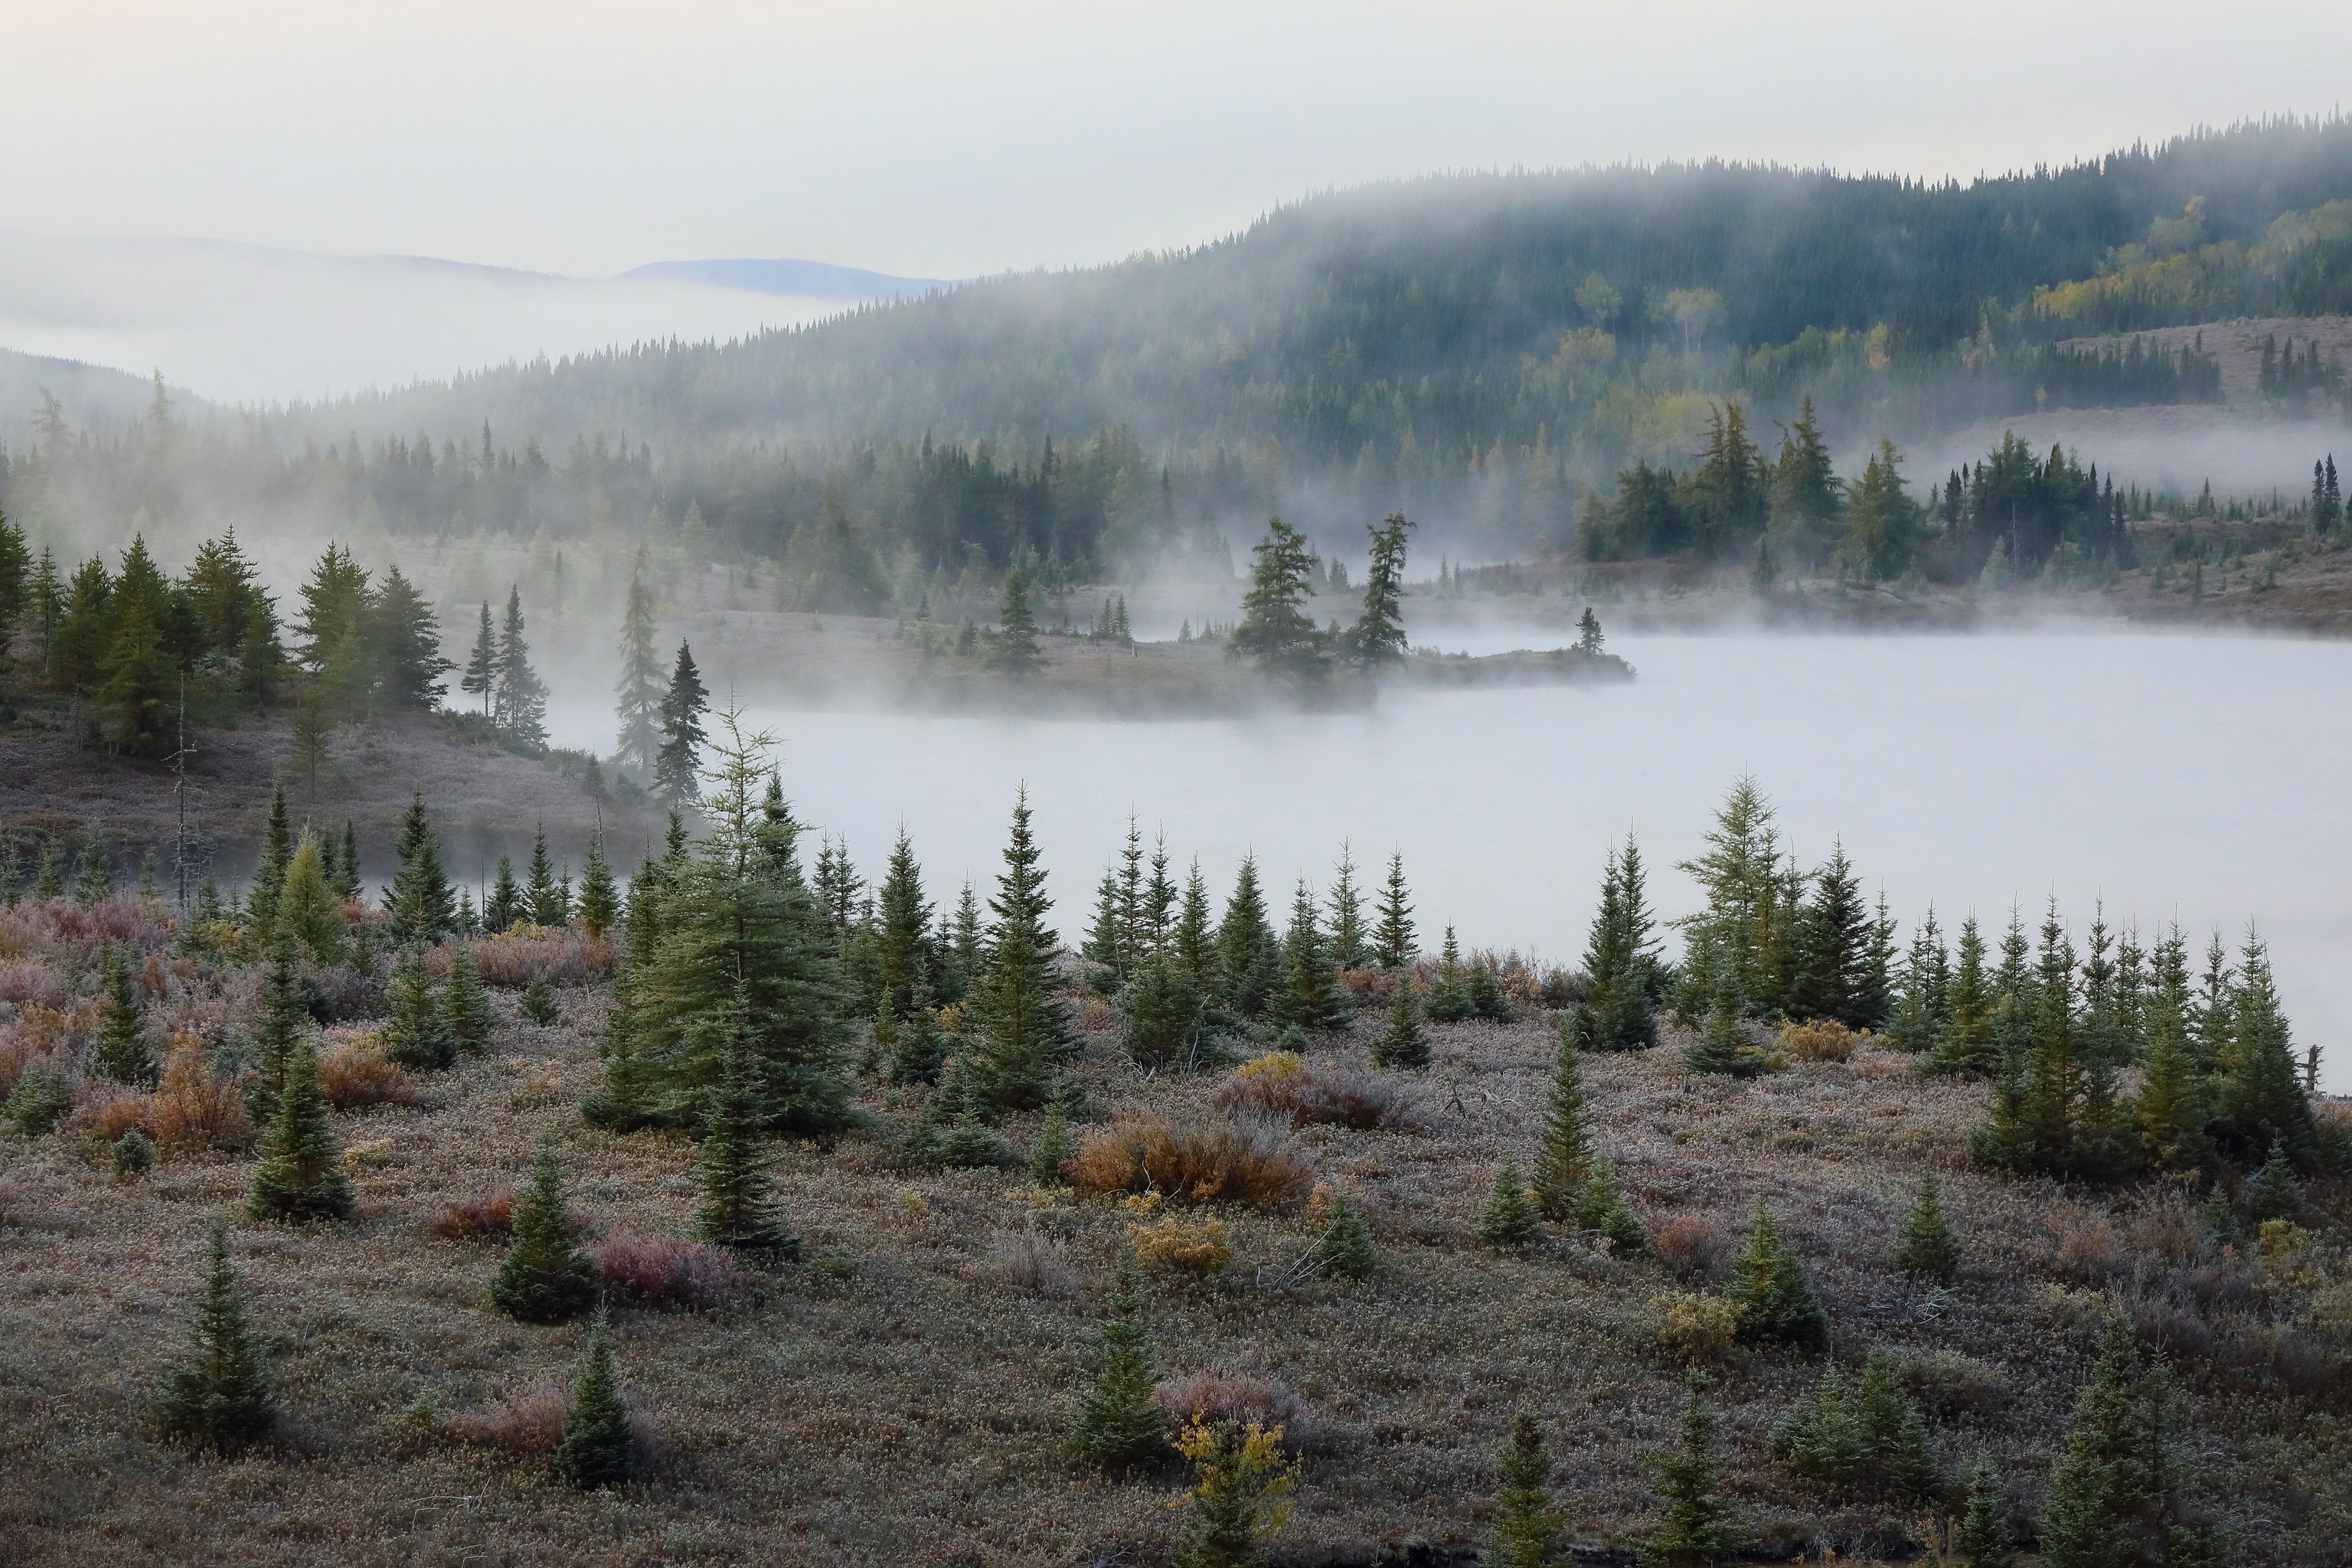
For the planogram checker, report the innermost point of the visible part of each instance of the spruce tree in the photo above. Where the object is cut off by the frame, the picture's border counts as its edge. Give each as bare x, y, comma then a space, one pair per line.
600, 900
1448, 998
1193, 946
1015, 649
1821, 1439
677, 766
1833, 936
1276, 633
307, 907
1694, 1531
917, 1050
541, 898
2274, 1193
537, 1003
545, 1277
1616, 1012
1403, 1043
2172, 1108
284, 1017
301, 1174
1965, 1045
1509, 1219
1309, 998
1248, 957
1895, 1439
1721, 1047
50, 873
417, 1036
902, 936
1984, 1540
1930, 1248
122, 1051
481, 672
1165, 1015
408, 636
641, 686
1116, 1426
422, 904
1771, 1288
1392, 932
1022, 1031
519, 697
1527, 1524
1054, 1147
2102, 1482
505, 905
1739, 874
218, 1397
93, 883
1565, 1160
595, 1447
2263, 1102
1350, 948
1344, 1250
465, 1003
1922, 1015
738, 1207
1238, 1498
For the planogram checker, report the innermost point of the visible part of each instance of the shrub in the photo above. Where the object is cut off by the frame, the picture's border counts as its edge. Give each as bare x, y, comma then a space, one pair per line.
1281, 1084
1229, 1159
1690, 1245
115, 1115
512, 959
2083, 1244
131, 1154
195, 1107
1212, 1396
662, 1271
1822, 1040
530, 1426
1187, 1246
489, 1217
1949, 1383
1697, 1329
1029, 1260
356, 1075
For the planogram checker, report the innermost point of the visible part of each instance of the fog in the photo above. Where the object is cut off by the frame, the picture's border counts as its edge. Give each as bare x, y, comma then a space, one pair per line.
2177, 449
2174, 778
242, 323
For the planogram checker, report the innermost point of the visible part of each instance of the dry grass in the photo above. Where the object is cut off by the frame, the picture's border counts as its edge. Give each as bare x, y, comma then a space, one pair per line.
1334, 1094
1197, 1159
900, 1398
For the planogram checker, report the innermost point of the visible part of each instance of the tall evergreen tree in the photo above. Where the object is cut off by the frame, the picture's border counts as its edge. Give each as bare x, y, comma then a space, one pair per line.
2054, 1109
301, 1174
308, 908
596, 1451
1392, 935
1984, 1540
519, 699
1309, 998
219, 1396
1738, 875
548, 903
1193, 946
1923, 1014
336, 598
677, 767
480, 677
1694, 1531
122, 1051
505, 904
465, 1003
93, 882
1967, 1046
1620, 965
1015, 649
1350, 948
641, 685
1248, 957
1276, 633
417, 1036
600, 900
545, 1277
2261, 1098
276, 1032
1833, 937
1527, 1524
738, 1207
1567, 1166
1509, 1219
1378, 639
902, 934
1116, 1426
1022, 1030
2107, 1480
1402, 1041
422, 904
409, 645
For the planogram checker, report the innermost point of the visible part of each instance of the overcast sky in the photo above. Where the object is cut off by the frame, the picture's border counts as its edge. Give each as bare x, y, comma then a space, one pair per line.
932, 138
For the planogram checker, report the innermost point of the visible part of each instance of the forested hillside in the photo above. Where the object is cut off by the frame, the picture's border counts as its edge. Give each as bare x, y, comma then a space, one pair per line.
1484, 351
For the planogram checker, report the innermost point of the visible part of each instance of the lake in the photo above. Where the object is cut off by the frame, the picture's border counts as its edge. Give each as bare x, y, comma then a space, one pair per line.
2202, 779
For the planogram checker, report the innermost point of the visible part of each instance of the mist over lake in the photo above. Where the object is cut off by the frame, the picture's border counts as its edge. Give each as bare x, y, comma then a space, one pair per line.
2191, 778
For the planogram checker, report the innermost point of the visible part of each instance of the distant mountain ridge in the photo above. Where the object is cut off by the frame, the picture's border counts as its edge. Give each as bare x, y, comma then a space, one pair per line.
797, 280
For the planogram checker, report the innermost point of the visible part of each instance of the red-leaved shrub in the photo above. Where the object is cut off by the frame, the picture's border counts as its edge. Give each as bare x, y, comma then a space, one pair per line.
662, 1271
1690, 1245
196, 1107
354, 1075
487, 1216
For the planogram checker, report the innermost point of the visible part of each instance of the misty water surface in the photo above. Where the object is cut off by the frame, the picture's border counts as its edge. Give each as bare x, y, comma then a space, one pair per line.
2202, 779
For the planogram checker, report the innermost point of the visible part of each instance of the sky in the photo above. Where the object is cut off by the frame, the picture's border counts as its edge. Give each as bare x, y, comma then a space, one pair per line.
945, 139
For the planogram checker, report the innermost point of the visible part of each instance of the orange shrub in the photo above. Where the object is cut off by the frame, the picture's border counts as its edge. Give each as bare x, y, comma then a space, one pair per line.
529, 1426
1241, 1160
118, 1113
1822, 1040
513, 959
1283, 1084
354, 1075
1688, 1244
194, 1106
489, 1217
1200, 1250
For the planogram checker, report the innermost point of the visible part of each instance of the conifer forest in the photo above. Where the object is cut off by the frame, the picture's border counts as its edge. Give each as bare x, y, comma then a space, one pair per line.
1687, 971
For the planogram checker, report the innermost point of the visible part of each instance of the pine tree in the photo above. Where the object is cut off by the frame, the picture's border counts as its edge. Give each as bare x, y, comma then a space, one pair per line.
1403, 1043
465, 1003
2263, 1102
1448, 1000
1930, 1248
1165, 1015
93, 883
2173, 1106
1693, 1533
1509, 1219
1117, 1427
537, 1003
641, 686
301, 1174
1015, 649
418, 1034
421, 903
1834, 938
1722, 1046
677, 766
481, 673
1966, 1047
280, 1026
122, 1051
1248, 957
1345, 1250
408, 636
2274, 1193
1566, 1162
600, 900
544, 1277
902, 937
595, 1447
548, 907
1350, 950
218, 1397
1726, 943
1984, 1540
1276, 633
2102, 1484
519, 701
1392, 936
505, 906
1527, 1524
1022, 1030
738, 1207
1895, 1439
1771, 1288
1193, 946
1615, 1013
309, 910
1821, 1439
1309, 998
1054, 1147
50, 873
